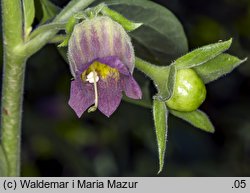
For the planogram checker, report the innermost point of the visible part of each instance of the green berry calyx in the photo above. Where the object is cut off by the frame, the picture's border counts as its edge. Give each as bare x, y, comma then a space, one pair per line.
189, 91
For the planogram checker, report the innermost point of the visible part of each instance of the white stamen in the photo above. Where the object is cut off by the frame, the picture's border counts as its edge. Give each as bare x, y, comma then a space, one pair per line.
92, 77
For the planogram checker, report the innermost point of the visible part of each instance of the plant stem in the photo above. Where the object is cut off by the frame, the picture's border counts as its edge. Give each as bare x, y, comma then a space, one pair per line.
152, 71
12, 23
13, 76
159, 74
3, 163
16, 52
12, 93
38, 42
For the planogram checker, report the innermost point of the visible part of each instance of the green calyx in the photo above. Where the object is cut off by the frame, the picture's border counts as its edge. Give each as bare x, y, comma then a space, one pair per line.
90, 13
181, 84
189, 91
127, 24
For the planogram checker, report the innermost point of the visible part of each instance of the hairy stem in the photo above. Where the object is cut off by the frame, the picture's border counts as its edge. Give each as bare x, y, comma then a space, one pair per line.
38, 42
12, 93
12, 89
159, 74
16, 52
152, 71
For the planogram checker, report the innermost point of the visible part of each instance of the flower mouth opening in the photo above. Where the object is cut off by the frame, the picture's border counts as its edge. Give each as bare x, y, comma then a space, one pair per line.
100, 86
92, 75
103, 71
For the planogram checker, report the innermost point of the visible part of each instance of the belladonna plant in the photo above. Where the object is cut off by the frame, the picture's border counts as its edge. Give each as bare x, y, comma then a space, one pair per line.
99, 50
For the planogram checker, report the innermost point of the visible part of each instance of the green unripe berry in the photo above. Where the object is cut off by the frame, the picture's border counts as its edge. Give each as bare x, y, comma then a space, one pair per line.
189, 91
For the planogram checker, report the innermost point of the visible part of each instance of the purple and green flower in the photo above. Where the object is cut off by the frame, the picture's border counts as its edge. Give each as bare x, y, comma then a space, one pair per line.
101, 59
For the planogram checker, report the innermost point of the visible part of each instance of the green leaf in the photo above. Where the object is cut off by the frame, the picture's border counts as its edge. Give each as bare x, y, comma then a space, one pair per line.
165, 82
201, 55
3, 163
65, 42
29, 15
49, 10
69, 29
70, 24
160, 114
161, 81
161, 38
127, 24
196, 118
217, 67
43, 28
171, 81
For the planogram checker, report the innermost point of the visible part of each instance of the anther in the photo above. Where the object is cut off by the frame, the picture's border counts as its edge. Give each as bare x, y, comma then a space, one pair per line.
91, 76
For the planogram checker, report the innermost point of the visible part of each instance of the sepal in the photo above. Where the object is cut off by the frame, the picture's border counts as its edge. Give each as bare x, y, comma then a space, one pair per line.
160, 115
196, 118
126, 24
202, 55
217, 67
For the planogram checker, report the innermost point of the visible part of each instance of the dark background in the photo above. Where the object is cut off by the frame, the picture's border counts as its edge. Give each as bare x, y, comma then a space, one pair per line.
56, 143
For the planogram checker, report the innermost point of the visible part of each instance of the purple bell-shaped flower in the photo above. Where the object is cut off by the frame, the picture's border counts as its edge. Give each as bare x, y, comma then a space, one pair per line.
101, 58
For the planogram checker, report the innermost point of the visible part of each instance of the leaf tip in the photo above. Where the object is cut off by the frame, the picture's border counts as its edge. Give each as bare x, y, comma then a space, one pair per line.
227, 43
64, 43
212, 130
244, 60
160, 169
230, 41
137, 25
